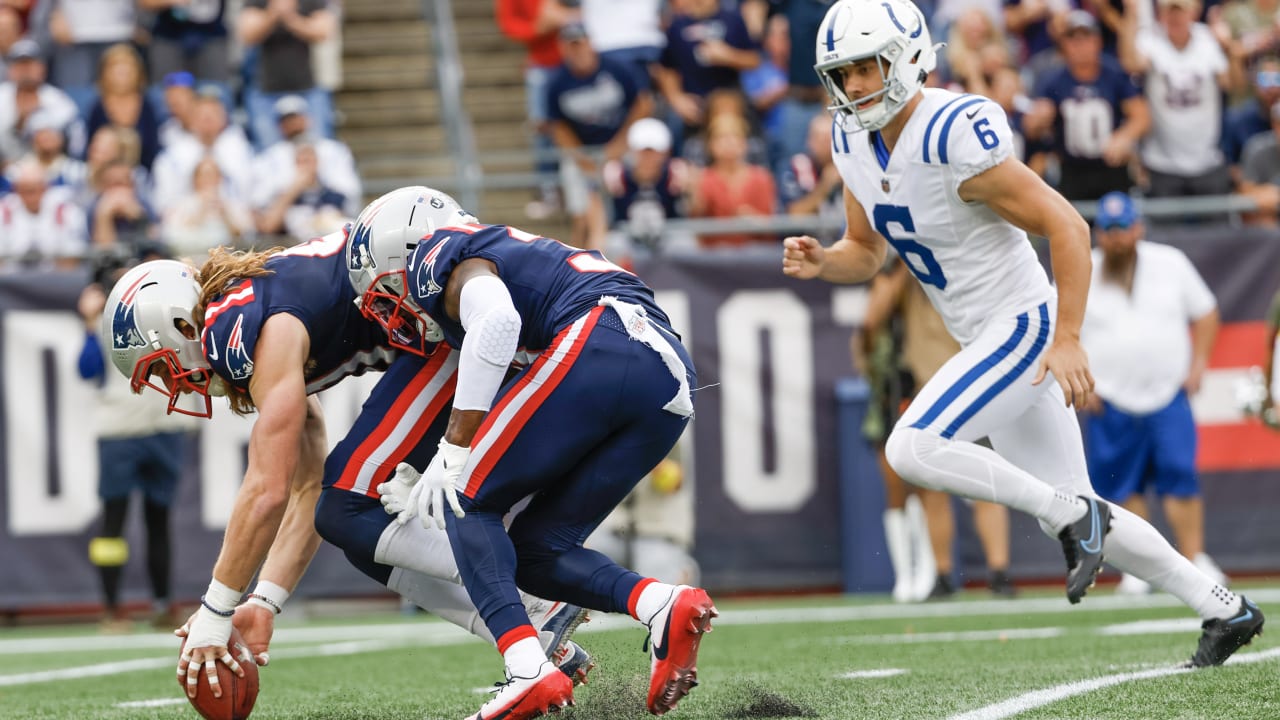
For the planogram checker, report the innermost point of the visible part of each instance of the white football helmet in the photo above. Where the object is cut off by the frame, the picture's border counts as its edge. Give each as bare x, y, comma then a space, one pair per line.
151, 336
895, 33
378, 247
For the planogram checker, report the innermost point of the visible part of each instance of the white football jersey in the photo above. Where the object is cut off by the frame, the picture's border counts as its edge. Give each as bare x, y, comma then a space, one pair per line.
973, 264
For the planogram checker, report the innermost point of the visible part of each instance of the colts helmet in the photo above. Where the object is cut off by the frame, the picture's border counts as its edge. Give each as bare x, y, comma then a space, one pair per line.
148, 327
895, 33
378, 248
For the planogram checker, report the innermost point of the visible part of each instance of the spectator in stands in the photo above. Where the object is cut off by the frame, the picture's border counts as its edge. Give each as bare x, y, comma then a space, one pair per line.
1007, 92
336, 169
810, 184
766, 86
1260, 170
140, 447
188, 37
591, 102
647, 186
1139, 431
628, 33
207, 218
119, 217
805, 96
210, 134
1028, 22
283, 32
1187, 71
82, 30
10, 33
48, 148
1251, 25
730, 187
536, 24
122, 99
976, 49
725, 101
179, 102
109, 144
26, 92
1093, 112
707, 48
40, 227
307, 207
1253, 116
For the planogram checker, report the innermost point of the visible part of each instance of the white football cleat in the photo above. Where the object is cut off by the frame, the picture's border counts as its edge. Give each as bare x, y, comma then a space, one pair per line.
519, 698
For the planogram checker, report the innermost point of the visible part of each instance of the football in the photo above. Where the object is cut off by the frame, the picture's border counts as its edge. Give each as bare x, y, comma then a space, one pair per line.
238, 693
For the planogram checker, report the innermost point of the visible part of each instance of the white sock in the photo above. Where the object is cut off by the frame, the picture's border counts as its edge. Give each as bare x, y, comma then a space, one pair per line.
524, 658
441, 598
652, 599
897, 537
973, 471
1135, 547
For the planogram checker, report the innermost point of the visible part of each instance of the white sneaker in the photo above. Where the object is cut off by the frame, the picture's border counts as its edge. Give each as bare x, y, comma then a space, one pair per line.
1132, 585
1206, 565
520, 698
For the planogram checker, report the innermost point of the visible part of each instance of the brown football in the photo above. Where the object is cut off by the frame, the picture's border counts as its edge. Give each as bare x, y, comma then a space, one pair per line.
238, 693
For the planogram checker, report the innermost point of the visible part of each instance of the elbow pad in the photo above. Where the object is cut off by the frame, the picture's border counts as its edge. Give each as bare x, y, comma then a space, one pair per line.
493, 333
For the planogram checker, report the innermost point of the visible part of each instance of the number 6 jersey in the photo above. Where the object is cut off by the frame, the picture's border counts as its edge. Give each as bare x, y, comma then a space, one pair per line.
973, 264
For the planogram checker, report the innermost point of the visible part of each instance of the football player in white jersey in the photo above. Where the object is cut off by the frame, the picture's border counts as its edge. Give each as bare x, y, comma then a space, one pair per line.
932, 173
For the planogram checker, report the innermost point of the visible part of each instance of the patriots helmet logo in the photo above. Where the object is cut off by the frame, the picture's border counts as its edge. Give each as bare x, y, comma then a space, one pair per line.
424, 274
358, 246
124, 327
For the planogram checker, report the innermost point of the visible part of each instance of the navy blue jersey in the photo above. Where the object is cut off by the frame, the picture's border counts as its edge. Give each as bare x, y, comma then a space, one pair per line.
551, 284
686, 35
310, 282
595, 107
1088, 112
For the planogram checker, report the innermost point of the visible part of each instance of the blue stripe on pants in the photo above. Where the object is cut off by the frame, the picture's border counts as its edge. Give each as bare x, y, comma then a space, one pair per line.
1041, 338
976, 372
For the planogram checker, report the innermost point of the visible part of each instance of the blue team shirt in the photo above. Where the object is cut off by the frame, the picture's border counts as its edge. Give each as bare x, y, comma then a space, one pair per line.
685, 35
1087, 112
310, 282
596, 106
551, 284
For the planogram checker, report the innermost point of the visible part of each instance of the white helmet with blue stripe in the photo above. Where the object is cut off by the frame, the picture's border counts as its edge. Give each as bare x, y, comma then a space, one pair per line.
892, 31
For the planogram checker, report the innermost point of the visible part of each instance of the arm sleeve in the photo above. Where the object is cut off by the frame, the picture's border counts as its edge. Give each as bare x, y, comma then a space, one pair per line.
493, 333
91, 364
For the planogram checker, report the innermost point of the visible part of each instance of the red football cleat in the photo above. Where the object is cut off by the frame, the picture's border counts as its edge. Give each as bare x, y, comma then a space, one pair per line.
529, 697
675, 632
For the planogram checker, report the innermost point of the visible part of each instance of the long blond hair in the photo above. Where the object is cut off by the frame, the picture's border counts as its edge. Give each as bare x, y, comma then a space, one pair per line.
222, 270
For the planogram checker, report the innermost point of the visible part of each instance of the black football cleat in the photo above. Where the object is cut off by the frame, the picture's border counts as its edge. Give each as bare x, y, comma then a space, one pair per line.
1082, 546
1221, 638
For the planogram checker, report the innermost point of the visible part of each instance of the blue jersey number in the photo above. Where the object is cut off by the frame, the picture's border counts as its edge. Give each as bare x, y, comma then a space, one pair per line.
919, 259
986, 135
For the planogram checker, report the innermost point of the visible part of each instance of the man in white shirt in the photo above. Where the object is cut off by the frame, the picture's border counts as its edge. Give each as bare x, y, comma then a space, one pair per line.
1139, 431
1187, 68
211, 134
40, 226
276, 174
27, 93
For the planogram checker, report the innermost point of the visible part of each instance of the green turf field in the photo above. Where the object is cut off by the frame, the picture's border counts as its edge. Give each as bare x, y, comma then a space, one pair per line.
975, 658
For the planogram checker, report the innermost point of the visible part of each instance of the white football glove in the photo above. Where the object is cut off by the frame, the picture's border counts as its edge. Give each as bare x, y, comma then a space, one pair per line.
438, 484
397, 494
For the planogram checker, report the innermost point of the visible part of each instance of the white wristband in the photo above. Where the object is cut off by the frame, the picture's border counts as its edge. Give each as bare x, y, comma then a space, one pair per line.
269, 595
220, 599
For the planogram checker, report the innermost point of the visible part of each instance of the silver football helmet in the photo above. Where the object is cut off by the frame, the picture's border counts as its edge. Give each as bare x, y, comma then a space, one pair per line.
378, 248
895, 33
151, 336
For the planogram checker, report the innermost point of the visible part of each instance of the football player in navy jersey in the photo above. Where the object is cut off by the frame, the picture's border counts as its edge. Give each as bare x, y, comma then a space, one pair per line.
605, 398
268, 330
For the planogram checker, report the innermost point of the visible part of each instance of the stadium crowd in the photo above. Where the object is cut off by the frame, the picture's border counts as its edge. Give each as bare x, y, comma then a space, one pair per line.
134, 128
1153, 97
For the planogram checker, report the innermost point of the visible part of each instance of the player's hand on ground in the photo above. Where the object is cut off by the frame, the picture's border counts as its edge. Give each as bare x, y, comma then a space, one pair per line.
1069, 364
256, 624
440, 482
397, 494
802, 257
206, 646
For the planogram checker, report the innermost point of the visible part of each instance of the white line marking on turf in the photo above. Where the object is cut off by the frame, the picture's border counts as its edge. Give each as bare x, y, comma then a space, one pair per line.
958, 636
1039, 698
1152, 627
881, 673
158, 702
126, 666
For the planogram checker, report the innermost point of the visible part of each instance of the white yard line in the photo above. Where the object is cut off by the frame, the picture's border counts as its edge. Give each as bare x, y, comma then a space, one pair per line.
881, 673
1039, 698
946, 637
157, 702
